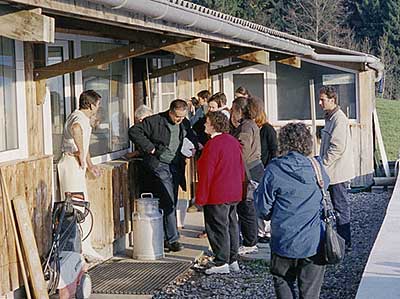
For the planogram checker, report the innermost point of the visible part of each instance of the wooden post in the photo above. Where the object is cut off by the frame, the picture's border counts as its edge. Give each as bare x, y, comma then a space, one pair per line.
30, 248
381, 144
313, 116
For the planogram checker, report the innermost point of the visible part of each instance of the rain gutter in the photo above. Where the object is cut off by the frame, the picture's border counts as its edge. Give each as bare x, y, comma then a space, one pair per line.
200, 18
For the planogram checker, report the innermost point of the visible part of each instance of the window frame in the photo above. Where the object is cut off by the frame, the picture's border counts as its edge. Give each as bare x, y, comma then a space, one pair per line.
22, 151
319, 122
78, 84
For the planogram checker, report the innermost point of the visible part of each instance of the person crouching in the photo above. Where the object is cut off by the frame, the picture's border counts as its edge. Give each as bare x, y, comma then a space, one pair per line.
221, 175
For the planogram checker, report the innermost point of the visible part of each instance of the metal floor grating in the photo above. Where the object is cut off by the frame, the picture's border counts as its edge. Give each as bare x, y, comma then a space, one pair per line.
134, 278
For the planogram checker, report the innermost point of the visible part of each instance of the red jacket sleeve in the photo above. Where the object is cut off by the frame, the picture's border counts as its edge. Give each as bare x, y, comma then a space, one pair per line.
206, 169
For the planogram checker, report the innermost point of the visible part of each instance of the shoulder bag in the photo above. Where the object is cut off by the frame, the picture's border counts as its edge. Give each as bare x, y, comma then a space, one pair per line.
334, 244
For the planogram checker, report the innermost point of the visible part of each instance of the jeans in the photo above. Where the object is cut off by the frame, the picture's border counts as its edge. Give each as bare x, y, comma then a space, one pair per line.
309, 273
341, 206
222, 232
166, 188
248, 222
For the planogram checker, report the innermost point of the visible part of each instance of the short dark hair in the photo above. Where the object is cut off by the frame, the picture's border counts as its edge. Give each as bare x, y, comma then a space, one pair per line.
219, 121
219, 98
178, 104
243, 91
87, 98
295, 137
330, 92
248, 106
204, 94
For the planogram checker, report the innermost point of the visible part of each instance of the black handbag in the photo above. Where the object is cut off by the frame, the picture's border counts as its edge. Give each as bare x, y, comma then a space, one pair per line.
334, 244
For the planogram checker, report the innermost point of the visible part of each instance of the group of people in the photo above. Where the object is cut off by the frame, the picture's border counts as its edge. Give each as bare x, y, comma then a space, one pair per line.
253, 186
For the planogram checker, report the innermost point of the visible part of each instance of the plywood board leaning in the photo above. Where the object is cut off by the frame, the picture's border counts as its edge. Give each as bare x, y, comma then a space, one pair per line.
30, 248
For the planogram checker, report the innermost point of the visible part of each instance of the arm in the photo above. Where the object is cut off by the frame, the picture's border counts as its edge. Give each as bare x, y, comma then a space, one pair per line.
337, 143
139, 134
246, 140
77, 135
95, 170
264, 196
206, 169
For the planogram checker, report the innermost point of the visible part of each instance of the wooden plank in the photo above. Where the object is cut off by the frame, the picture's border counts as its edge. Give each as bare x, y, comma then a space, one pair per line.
201, 79
9, 211
218, 55
313, 116
30, 248
260, 57
291, 61
27, 25
230, 68
33, 111
5, 230
40, 92
381, 145
104, 57
194, 48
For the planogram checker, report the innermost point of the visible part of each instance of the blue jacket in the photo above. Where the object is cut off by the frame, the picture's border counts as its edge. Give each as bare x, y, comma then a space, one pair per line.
289, 195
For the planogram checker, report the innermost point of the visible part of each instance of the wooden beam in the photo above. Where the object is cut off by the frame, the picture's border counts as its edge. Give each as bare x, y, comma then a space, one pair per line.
292, 61
27, 25
40, 92
104, 57
216, 56
231, 67
194, 48
260, 57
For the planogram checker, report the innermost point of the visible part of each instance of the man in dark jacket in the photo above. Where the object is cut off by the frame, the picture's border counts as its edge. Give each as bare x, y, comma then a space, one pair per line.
160, 138
290, 197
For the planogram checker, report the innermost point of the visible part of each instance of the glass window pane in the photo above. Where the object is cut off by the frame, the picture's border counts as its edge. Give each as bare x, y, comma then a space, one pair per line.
294, 92
57, 100
8, 99
254, 83
110, 81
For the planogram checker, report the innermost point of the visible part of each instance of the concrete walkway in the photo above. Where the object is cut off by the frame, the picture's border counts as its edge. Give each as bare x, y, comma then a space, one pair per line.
381, 277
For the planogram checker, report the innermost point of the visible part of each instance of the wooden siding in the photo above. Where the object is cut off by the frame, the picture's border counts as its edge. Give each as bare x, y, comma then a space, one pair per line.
31, 179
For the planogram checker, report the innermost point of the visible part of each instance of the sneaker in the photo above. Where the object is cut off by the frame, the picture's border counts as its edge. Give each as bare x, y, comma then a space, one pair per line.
224, 269
234, 267
247, 249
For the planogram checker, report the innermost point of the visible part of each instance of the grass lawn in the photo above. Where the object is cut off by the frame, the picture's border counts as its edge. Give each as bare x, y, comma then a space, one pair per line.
389, 120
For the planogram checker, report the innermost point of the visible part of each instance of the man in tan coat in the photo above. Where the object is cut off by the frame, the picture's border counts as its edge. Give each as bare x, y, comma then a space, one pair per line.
337, 156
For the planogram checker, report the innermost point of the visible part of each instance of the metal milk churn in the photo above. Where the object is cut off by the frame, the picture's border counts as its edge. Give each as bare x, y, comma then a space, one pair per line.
148, 233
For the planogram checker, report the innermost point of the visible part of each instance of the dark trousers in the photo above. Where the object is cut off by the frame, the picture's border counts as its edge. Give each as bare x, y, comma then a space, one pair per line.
166, 188
308, 272
340, 202
247, 222
222, 232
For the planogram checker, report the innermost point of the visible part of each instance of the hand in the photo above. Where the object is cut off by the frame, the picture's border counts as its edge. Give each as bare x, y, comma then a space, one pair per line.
95, 170
193, 151
200, 146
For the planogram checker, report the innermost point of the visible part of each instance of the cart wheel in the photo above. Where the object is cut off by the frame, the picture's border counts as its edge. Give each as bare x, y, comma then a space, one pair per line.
84, 289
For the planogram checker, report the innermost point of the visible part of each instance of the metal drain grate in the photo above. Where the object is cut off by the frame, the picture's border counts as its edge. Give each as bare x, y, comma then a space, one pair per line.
130, 277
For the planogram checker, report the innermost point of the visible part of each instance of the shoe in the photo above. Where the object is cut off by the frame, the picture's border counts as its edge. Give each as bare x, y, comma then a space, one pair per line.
247, 249
192, 209
234, 267
174, 246
202, 235
264, 240
224, 269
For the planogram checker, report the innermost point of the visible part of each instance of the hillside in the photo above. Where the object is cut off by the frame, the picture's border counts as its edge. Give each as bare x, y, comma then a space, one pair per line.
389, 114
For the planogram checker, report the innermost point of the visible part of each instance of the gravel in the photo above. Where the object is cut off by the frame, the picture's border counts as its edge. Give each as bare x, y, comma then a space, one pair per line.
254, 281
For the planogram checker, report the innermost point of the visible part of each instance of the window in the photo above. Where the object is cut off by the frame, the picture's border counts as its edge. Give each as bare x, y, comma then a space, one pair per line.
294, 91
253, 82
163, 88
111, 82
12, 101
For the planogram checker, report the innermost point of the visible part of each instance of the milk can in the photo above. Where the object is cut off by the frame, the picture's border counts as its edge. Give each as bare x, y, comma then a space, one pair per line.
148, 233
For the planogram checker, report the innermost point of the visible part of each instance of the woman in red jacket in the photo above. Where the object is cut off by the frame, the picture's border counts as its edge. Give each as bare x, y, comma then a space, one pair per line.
221, 175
